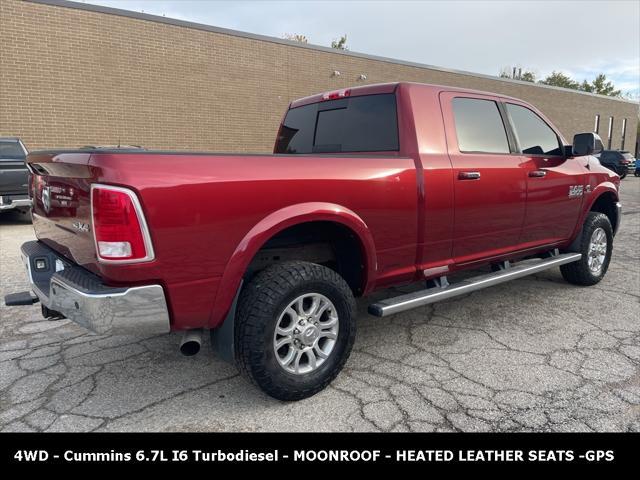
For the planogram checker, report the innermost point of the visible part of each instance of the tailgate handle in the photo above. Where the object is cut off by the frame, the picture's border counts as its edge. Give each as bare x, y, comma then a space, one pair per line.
468, 175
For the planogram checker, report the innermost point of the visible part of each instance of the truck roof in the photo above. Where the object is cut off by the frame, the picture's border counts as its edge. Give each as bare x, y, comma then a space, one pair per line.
379, 88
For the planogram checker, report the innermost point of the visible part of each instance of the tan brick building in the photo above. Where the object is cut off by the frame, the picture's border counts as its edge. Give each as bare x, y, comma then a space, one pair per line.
73, 74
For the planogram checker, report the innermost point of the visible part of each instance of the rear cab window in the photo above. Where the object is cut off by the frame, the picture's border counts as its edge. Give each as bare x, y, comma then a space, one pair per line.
366, 123
11, 150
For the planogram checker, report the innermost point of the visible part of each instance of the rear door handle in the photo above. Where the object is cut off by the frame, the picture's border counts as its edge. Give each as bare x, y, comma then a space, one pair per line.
538, 173
468, 175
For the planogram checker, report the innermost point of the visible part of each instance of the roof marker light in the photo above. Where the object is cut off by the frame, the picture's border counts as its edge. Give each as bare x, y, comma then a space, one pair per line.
336, 94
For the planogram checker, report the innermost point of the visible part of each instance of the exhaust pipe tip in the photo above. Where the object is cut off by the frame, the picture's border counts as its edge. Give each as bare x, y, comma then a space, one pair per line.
188, 349
191, 341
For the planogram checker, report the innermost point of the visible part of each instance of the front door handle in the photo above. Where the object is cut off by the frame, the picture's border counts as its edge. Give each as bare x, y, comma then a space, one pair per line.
538, 173
468, 175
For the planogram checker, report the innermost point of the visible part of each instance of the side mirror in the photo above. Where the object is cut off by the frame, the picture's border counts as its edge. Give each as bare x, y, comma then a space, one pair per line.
586, 144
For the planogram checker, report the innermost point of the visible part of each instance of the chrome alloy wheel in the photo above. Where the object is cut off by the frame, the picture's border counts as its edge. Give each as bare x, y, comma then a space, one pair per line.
597, 250
306, 333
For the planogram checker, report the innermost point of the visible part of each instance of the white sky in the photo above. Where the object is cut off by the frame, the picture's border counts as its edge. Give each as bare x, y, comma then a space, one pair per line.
580, 38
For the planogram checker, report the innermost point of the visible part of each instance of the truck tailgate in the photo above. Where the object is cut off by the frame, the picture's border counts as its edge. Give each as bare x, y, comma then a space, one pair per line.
60, 190
13, 177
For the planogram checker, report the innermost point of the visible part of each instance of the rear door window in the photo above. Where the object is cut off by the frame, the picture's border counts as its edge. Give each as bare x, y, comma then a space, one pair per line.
479, 126
366, 123
533, 133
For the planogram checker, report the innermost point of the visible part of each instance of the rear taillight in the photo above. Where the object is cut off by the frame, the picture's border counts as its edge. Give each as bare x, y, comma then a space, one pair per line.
119, 227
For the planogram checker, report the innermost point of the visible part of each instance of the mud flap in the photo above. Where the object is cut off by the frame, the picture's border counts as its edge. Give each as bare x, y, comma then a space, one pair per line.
223, 337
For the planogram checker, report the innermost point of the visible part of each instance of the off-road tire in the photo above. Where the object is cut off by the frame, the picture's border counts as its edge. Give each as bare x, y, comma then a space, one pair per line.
260, 304
578, 273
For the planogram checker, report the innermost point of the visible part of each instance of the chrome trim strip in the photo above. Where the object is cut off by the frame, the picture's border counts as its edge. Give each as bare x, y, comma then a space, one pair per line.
148, 245
24, 149
440, 270
432, 295
27, 265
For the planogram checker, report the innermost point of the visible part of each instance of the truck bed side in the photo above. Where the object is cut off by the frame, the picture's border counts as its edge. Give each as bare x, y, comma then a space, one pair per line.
201, 207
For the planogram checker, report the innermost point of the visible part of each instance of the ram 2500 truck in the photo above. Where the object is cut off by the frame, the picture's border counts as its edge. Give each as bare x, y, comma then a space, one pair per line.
367, 187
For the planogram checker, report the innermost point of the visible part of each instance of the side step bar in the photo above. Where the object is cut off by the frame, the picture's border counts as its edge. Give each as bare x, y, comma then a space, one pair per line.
445, 291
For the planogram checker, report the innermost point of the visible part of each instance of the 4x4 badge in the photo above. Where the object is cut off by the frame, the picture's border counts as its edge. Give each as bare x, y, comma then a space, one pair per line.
83, 227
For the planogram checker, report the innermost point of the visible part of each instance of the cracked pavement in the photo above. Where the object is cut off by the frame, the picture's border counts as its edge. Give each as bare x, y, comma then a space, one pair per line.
536, 354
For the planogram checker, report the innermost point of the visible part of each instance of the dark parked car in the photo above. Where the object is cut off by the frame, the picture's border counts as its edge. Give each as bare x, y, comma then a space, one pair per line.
620, 161
13, 175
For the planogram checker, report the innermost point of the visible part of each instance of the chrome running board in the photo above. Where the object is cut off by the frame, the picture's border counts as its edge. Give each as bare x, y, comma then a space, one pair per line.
444, 290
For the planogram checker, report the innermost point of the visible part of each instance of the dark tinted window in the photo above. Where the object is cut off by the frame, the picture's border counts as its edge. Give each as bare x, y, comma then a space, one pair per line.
479, 126
11, 150
535, 136
358, 124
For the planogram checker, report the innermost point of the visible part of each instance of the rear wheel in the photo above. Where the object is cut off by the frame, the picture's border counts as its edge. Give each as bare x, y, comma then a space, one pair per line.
295, 329
596, 247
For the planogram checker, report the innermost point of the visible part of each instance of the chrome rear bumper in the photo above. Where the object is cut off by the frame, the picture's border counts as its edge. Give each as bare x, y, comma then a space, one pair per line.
9, 203
81, 297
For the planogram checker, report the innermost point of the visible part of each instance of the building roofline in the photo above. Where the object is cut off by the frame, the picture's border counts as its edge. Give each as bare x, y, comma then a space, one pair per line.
265, 38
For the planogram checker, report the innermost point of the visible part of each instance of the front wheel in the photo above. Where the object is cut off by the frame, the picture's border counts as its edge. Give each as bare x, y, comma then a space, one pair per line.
295, 329
596, 247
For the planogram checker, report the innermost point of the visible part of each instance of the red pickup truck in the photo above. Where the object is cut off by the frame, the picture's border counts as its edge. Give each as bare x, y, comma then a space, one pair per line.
368, 187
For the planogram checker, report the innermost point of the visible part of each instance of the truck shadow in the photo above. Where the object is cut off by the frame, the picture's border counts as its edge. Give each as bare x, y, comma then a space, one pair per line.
12, 217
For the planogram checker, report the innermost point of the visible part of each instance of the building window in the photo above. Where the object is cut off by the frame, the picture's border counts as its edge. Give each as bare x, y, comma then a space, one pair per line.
596, 127
624, 131
610, 133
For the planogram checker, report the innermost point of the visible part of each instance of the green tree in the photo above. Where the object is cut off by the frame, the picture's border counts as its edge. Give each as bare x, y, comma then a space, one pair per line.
527, 77
601, 86
518, 74
559, 79
340, 44
296, 37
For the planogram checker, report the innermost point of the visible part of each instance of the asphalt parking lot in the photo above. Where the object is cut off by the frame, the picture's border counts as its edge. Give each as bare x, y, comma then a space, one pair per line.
535, 354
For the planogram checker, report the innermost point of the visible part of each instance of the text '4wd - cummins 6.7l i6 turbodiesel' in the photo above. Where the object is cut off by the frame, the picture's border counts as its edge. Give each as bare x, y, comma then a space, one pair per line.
368, 187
